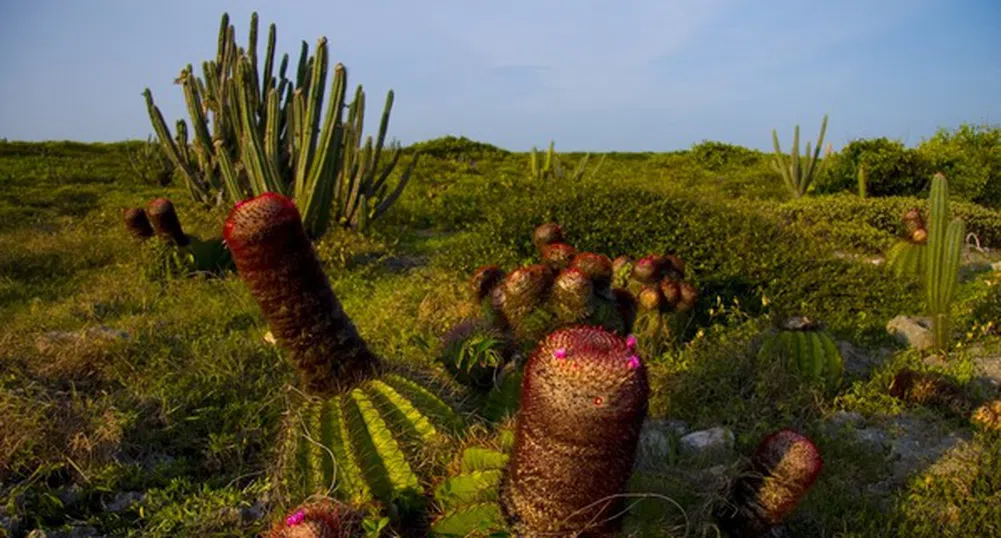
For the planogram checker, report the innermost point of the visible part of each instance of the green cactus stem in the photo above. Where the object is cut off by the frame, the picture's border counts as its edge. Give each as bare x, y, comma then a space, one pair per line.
945, 243
137, 223
798, 172
583, 400
781, 473
165, 223
320, 519
863, 184
276, 261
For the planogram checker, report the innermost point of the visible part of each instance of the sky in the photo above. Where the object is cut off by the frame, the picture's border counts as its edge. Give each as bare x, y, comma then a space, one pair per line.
636, 75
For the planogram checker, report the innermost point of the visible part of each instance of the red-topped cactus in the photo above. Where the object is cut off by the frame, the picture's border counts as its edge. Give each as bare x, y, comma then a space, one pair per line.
781, 472
547, 234
558, 255
572, 295
275, 259
597, 267
165, 222
583, 400
137, 223
323, 519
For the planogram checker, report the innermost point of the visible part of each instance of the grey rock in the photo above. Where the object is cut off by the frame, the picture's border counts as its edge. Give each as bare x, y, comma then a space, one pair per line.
706, 441
989, 368
842, 418
658, 437
123, 501
859, 362
872, 436
912, 331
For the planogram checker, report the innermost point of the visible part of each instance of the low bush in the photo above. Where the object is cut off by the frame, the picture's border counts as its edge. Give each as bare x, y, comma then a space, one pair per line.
891, 169
970, 156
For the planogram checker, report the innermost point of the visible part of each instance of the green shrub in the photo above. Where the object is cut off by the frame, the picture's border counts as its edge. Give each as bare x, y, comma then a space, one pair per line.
970, 157
716, 156
452, 147
890, 168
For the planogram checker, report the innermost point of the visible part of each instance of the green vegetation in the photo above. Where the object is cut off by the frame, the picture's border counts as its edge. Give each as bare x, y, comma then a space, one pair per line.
267, 135
798, 172
941, 268
181, 428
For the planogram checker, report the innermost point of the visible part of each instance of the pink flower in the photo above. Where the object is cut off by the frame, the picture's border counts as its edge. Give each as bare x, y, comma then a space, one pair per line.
296, 518
560, 353
634, 362
631, 342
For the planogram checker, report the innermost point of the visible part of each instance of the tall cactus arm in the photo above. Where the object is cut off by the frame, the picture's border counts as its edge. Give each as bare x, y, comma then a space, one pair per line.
816, 152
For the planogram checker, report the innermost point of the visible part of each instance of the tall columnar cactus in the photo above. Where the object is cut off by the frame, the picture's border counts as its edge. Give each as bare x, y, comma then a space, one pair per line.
782, 470
945, 243
583, 400
907, 257
552, 168
268, 135
797, 171
365, 445
275, 259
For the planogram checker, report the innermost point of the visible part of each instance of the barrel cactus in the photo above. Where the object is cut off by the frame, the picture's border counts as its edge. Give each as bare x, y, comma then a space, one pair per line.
275, 259
583, 400
137, 223
163, 216
779, 476
365, 445
805, 348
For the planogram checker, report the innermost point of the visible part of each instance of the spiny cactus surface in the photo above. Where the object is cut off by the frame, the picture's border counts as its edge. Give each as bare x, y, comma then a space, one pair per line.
781, 472
809, 350
583, 400
137, 223
321, 519
275, 259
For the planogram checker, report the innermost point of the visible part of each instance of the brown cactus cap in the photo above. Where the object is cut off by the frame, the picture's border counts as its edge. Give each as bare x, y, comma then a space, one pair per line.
485, 279
547, 234
647, 270
137, 223
650, 298
671, 291
674, 266
689, 296
596, 266
558, 255
165, 222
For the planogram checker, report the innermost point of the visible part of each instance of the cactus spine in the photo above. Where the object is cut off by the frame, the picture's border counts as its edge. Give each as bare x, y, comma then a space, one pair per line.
945, 241
267, 135
797, 171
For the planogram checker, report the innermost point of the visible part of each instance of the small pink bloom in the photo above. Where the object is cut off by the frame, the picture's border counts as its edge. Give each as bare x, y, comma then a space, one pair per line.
631, 342
560, 353
296, 518
634, 362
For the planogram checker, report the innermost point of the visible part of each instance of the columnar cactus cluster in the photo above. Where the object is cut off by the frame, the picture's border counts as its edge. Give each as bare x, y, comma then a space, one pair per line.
780, 474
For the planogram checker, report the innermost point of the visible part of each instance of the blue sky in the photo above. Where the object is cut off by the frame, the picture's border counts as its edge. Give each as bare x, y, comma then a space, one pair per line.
642, 75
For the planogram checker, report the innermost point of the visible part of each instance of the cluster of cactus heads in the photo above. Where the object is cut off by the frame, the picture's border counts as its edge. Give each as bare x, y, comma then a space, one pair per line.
267, 134
915, 227
805, 347
781, 472
583, 401
319, 519
663, 299
276, 260
936, 390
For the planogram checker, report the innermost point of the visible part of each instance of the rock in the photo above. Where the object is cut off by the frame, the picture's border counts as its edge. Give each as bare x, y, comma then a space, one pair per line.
842, 418
123, 501
657, 439
989, 368
857, 361
716, 439
871, 436
55, 341
912, 331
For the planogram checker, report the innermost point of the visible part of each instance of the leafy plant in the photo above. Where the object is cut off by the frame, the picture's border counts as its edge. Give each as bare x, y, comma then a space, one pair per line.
945, 243
266, 135
797, 171
150, 163
970, 156
889, 168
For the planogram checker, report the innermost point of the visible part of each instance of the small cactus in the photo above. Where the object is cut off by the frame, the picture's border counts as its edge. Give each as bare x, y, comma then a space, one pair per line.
547, 234
275, 259
583, 400
137, 223
473, 352
781, 472
806, 348
322, 519
165, 222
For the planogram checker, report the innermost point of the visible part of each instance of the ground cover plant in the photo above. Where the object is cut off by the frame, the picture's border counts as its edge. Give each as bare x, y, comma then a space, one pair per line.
665, 345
